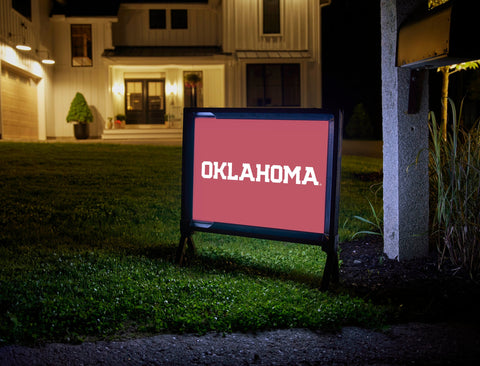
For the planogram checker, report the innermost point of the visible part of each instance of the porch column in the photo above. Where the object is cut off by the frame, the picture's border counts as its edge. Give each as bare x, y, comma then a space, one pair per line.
405, 184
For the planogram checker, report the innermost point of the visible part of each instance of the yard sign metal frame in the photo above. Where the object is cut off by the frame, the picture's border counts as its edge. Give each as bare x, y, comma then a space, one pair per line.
328, 239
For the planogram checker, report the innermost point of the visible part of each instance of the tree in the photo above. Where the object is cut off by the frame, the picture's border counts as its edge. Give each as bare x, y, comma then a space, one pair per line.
446, 72
79, 110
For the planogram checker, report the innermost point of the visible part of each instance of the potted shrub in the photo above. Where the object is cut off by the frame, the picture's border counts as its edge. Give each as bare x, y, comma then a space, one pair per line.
81, 115
120, 121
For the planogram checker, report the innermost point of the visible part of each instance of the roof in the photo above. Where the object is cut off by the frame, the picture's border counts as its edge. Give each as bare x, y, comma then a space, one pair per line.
166, 51
87, 8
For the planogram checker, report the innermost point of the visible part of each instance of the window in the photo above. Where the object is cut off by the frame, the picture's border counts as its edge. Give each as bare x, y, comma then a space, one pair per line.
273, 85
158, 19
271, 17
145, 101
81, 44
179, 18
193, 91
24, 7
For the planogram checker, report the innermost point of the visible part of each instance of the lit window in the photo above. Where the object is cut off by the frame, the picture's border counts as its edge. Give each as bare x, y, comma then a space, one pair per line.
81, 44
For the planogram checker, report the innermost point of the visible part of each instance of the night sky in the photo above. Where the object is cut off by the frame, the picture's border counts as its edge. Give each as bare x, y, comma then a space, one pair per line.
351, 51
351, 58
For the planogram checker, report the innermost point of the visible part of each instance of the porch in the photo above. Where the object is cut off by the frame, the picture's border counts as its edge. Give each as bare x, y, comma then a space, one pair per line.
144, 133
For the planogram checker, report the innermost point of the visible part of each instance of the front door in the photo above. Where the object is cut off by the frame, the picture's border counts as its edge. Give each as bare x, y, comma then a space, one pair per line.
145, 101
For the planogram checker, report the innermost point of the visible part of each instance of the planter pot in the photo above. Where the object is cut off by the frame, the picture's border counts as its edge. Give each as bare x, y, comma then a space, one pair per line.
81, 131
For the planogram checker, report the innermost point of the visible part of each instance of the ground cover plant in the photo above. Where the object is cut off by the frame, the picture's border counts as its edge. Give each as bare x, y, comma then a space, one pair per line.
88, 241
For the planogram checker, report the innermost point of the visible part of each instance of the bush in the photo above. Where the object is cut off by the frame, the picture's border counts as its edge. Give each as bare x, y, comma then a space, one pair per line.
79, 110
455, 181
359, 125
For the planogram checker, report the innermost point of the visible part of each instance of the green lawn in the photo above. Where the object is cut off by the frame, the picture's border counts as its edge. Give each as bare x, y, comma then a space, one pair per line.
87, 246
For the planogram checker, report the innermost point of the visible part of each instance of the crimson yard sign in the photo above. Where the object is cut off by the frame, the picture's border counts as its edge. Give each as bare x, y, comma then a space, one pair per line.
267, 173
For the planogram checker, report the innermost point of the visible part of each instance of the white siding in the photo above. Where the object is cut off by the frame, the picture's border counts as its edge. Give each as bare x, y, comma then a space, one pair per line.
92, 81
242, 26
133, 28
37, 34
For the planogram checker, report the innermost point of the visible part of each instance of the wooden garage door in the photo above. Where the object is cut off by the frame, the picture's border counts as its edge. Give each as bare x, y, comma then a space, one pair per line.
19, 105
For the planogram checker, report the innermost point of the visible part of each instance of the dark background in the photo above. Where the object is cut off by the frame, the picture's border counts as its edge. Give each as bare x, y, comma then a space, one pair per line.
351, 59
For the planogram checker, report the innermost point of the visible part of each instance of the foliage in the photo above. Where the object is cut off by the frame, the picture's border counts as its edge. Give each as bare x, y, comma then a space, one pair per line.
79, 264
192, 79
79, 110
359, 125
434, 3
455, 164
446, 72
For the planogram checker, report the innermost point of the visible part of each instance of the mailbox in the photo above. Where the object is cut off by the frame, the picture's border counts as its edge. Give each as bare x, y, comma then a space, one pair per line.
442, 36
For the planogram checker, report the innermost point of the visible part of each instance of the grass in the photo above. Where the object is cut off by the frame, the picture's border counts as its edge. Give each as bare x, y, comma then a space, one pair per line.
87, 247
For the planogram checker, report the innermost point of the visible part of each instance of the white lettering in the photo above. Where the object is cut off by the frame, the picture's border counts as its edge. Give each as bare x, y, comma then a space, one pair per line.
279, 169
295, 173
266, 173
205, 165
263, 173
310, 176
218, 170
247, 172
230, 176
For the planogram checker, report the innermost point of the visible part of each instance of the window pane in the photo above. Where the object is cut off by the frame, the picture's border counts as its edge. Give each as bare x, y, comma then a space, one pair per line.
158, 19
271, 16
156, 95
134, 95
291, 84
179, 19
273, 86
81, 44
255, 85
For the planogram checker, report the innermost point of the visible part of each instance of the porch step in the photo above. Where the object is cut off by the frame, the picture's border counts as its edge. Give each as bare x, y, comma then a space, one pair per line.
143, 134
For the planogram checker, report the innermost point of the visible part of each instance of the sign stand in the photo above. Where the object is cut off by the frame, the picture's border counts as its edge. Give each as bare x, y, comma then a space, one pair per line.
214, 128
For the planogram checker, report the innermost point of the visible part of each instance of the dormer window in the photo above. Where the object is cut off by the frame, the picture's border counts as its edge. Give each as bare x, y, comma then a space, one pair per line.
81, 40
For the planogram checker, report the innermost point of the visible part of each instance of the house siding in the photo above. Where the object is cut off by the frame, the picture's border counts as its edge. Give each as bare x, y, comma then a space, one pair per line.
91, 81
37, 33
133, 28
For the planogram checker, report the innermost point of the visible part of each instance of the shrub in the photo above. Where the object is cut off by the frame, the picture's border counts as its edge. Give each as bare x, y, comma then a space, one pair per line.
79, 110
359, 125
455, 181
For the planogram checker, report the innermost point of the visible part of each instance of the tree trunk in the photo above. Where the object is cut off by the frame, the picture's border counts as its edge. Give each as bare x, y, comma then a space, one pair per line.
444, 116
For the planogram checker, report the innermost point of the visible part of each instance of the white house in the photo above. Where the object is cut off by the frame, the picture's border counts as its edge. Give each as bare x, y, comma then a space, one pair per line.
147, 60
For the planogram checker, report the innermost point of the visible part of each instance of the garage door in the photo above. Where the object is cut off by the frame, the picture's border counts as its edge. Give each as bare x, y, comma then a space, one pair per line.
18, 105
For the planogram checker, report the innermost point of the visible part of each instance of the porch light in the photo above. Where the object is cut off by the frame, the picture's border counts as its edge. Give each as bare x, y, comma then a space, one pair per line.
172, 89
118, 88
46, 60
22, 45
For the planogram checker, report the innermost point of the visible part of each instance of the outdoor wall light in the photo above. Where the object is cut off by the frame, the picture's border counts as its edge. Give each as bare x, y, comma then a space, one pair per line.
172, 89
46, 60
22, 45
